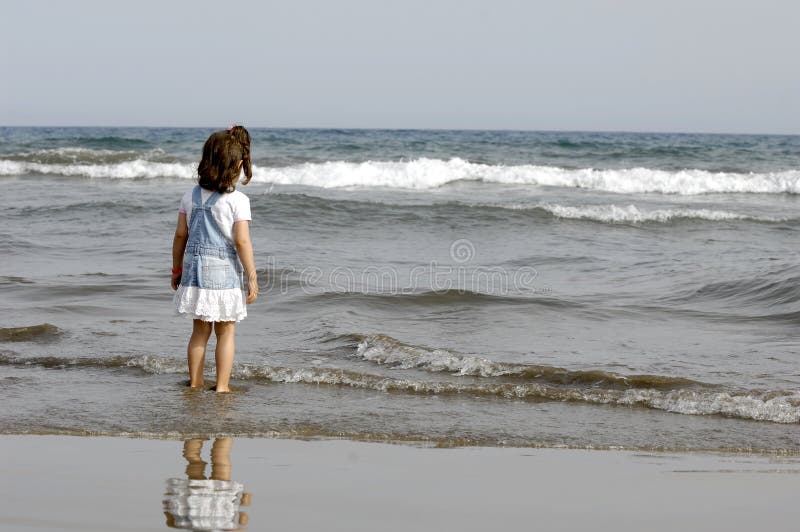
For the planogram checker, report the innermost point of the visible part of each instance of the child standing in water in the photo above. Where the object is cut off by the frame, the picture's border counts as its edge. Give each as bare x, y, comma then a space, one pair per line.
211, 251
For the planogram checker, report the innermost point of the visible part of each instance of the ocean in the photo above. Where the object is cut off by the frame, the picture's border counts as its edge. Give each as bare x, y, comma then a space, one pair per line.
541, 289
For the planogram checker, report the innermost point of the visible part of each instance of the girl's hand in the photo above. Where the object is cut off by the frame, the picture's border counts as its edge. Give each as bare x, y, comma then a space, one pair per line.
176, 281
252, 288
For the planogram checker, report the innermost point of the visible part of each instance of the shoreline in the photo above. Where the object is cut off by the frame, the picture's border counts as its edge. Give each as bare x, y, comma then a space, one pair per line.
410, 441
113, 483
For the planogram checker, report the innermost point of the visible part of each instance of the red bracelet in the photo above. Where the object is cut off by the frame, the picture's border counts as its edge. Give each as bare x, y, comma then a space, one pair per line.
176, 271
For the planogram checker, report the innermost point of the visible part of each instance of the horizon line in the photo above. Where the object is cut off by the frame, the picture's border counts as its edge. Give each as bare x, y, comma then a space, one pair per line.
443, 129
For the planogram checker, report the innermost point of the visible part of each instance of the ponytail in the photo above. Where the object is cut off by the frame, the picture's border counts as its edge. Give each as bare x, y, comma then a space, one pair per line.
242, 136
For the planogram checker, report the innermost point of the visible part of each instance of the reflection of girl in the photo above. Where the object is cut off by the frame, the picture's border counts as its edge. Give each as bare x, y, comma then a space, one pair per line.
197, 503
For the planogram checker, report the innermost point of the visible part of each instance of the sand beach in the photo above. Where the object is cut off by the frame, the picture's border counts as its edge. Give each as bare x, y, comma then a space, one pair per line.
119, 484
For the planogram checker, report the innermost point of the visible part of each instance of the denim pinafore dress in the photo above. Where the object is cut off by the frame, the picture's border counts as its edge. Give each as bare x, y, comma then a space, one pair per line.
212, 283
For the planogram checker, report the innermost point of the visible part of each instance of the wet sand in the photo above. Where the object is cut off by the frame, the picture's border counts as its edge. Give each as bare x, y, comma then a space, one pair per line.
94, 483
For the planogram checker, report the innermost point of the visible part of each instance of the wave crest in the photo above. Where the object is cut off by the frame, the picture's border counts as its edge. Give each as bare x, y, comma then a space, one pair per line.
773, 289
43, 332
426, 173
135, 169
775, 406
385, 350
632, 214
431, 173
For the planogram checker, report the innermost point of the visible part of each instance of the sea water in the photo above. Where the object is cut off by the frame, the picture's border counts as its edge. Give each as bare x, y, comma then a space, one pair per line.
454, 287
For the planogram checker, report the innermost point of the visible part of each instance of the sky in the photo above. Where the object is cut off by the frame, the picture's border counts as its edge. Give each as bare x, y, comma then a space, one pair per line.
725, 66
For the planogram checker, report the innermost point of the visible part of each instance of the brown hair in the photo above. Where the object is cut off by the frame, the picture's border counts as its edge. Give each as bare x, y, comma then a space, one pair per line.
222, 153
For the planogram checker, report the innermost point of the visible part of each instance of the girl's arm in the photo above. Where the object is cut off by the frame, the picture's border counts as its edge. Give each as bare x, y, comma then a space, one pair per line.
241, 238
178, 248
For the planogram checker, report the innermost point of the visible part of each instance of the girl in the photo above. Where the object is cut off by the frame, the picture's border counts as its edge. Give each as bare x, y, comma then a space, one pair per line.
211, 250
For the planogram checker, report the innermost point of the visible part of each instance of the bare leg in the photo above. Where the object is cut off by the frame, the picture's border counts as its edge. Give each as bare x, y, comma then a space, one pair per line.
196, 351
221, 459
196, 468
224, 353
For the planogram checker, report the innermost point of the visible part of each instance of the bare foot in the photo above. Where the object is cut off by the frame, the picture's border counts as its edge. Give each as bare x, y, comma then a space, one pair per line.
219, 389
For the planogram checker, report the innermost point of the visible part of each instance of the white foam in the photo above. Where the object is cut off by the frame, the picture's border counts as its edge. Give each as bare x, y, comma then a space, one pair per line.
385, 350
749, 405
431, 173
138, 168
774, 406
777, 407
157, 365
415, 174
632, 214
757, 406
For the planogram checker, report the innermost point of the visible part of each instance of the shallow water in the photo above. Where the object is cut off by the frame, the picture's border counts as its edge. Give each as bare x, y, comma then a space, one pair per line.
534, 289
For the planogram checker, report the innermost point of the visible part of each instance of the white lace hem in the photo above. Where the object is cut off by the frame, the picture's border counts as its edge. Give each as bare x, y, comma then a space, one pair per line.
210, 305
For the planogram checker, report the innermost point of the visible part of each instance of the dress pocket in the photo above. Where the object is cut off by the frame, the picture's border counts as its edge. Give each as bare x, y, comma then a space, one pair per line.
217, 274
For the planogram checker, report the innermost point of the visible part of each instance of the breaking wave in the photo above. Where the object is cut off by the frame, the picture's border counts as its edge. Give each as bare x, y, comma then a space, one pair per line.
431, 173
385, 350
632, 214
135, 169
475, 376
426, 173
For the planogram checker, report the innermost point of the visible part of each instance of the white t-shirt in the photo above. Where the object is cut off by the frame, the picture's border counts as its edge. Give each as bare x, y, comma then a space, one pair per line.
230, 208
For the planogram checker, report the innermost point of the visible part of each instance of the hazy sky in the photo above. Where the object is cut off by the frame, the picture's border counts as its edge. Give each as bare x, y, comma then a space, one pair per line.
639, 65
